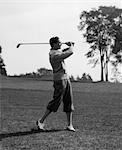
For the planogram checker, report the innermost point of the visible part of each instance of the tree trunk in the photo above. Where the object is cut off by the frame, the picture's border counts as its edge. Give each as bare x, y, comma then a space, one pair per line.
106, 66
101, 62
106, 72
102, 68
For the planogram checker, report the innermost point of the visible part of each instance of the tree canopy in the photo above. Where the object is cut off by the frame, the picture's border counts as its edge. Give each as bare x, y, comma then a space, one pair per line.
103, 31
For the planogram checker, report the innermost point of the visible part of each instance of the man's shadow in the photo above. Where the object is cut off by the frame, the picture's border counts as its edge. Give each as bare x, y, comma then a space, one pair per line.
23, 133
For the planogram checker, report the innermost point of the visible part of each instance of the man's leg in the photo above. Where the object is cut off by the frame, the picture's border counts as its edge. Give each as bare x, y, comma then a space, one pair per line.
53, 104
40, 122
68, 104
69, 121
69, 118
47, 112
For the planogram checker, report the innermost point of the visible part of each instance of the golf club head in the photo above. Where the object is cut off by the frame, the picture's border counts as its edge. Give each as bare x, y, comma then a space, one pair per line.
18, 45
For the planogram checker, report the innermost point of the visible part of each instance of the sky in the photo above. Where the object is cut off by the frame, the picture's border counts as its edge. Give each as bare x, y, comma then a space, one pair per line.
39, 20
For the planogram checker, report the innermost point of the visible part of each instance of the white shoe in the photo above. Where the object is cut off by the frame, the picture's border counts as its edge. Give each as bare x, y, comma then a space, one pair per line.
40, 125
70, 128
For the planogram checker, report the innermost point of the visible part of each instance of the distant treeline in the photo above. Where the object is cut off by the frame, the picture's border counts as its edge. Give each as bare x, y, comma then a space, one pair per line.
47, 74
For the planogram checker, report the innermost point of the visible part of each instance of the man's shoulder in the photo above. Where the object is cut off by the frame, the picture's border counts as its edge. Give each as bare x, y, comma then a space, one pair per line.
55, 52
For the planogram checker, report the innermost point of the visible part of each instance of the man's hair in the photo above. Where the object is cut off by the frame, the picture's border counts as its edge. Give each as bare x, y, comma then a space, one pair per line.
54, 40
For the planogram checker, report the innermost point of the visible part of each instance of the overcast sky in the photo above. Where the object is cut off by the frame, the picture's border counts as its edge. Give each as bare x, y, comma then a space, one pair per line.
38, 21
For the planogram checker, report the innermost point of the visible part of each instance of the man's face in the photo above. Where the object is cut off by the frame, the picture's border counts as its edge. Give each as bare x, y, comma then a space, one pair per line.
57, 45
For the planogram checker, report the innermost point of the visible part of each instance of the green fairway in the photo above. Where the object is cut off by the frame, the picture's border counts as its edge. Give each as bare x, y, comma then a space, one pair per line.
97, 116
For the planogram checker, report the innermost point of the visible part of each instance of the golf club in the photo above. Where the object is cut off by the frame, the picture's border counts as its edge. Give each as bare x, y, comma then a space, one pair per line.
32, 44
18, 45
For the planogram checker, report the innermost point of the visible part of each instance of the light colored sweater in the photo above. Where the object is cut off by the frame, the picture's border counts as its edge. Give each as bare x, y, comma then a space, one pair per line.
56, 58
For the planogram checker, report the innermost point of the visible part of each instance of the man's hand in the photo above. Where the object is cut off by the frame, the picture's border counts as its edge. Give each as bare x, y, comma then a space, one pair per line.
70, 43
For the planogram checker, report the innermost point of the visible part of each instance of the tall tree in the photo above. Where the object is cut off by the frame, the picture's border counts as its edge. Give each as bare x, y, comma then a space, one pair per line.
116, 63
100, 28
2, 65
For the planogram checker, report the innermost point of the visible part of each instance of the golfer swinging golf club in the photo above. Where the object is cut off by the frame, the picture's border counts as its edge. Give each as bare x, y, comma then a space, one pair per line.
62, 85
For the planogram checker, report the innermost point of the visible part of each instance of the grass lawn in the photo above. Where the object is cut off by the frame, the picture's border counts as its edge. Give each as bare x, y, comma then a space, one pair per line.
97, 117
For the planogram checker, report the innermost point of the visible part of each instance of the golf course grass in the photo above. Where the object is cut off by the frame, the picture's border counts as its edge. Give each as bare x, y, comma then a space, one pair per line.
97, 116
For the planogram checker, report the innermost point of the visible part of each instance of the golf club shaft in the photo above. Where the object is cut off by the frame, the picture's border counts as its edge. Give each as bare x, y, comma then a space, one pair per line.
32, 44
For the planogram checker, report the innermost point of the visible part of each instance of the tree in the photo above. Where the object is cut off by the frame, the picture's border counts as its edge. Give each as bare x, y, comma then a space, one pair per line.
116, 62
72, 78
102, 28
44, 71
85, 78
2, 65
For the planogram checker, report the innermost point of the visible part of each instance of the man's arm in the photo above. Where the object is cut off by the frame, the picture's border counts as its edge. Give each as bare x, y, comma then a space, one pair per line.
65, 53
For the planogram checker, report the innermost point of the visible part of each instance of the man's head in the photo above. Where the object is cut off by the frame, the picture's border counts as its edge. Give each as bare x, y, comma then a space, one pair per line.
55, 43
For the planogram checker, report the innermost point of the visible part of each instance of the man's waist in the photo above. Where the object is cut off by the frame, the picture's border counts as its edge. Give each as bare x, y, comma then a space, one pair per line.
60, 76
59, 71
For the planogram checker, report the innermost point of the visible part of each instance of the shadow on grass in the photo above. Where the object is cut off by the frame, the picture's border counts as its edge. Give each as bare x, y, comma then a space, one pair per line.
32, 131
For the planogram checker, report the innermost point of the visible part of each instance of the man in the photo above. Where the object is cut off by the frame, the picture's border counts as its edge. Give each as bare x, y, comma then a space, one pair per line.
62, 85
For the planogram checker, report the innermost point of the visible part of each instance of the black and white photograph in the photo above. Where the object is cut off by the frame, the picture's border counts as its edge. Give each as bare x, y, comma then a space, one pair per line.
60, 75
